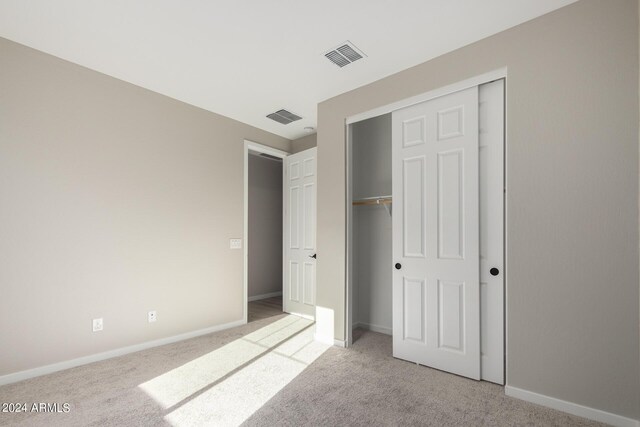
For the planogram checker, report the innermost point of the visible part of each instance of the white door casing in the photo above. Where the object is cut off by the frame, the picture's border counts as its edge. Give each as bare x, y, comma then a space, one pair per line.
300, 233
436, 291
491, 152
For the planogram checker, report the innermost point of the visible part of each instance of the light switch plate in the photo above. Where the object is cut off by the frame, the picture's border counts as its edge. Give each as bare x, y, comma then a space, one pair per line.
235, 243
98, 325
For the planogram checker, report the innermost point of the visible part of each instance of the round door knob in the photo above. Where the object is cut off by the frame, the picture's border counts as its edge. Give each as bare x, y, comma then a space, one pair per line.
398, 266
494, 271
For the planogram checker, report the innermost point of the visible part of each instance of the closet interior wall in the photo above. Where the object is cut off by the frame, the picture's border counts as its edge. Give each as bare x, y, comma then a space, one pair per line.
372, 238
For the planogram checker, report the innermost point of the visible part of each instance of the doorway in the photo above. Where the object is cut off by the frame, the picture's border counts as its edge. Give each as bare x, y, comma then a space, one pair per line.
263, 236
416, 271
279, 232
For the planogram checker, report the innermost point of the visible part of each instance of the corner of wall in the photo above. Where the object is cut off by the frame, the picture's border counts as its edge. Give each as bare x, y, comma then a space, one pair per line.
304, 143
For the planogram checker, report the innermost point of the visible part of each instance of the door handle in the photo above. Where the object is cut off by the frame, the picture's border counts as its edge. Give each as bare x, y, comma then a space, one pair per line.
313, 256
398, 266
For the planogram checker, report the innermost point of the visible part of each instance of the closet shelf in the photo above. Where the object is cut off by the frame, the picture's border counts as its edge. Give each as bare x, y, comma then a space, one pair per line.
384, 200
380, 201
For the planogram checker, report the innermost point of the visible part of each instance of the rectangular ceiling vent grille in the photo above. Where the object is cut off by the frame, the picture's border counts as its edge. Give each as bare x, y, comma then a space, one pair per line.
344, 54
283, 116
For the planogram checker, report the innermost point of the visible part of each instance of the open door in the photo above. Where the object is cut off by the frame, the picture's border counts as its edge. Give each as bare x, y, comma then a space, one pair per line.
436, 290
299, 294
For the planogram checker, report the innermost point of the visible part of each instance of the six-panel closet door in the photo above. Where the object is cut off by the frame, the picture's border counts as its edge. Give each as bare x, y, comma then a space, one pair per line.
436, 290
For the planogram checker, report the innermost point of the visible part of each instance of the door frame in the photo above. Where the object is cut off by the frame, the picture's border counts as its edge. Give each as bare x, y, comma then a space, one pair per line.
260, 148
478, 80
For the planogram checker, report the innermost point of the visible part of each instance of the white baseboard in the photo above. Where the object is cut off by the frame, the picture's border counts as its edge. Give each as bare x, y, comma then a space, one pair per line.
373, 328
60, 366
265, 296
571, 408
329, 341
304, 316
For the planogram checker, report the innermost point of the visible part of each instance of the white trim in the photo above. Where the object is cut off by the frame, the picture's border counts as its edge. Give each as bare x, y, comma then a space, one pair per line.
265, 296
261, 148
253, 146
505, 218
285, 233
571, 408
60, 366
349, 239
304, 316
500, 73
328, 340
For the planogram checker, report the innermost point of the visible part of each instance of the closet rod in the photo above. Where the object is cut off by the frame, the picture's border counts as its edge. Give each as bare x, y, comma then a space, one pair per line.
373, 201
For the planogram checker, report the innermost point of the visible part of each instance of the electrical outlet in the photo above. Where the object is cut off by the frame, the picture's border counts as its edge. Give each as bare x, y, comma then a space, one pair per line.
97, 325
152, 316
235, 243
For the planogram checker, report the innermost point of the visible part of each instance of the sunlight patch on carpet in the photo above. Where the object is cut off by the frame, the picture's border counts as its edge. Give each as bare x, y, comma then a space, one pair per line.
178, 385
237, 397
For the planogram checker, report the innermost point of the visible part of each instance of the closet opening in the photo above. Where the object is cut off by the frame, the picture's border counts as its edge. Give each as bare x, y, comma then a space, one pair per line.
371, 210
425, 228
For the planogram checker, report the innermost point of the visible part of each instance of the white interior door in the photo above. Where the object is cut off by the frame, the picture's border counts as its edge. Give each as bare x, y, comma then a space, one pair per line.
491, 143
300, 233
436, 291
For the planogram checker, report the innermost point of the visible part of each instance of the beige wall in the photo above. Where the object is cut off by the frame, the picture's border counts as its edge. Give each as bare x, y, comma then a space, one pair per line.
265, 226
572, 198
113, 201
303, 143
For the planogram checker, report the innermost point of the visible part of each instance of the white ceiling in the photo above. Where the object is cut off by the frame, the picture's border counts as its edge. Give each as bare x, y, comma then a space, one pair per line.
247, 58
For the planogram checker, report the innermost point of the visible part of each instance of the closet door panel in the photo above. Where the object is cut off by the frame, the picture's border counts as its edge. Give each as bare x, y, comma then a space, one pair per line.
413, 176
436, 234
450, 205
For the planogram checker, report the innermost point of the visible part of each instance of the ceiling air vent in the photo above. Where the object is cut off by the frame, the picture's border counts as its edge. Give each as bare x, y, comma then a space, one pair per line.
344, 54
283, 116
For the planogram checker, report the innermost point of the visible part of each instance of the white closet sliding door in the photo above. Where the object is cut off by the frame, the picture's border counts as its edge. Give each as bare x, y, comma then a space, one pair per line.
436, 290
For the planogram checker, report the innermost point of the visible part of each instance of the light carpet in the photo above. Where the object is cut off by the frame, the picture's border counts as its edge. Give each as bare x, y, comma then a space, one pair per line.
270, 373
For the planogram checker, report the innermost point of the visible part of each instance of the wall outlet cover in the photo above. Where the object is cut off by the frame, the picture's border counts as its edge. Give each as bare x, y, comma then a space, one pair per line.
97, 325
235, 243
152, 317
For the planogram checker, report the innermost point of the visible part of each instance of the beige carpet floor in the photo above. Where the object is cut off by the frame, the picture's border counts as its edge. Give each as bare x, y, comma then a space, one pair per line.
264, 308
270, 373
